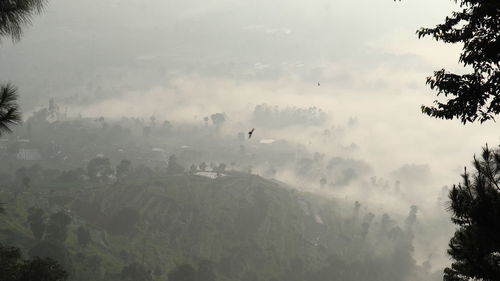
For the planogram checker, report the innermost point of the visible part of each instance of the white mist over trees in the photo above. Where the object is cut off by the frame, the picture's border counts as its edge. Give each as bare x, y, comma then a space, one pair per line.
135, 163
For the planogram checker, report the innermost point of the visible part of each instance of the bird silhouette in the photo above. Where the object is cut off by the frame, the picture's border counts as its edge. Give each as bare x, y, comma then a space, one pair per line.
319, 84
250, 133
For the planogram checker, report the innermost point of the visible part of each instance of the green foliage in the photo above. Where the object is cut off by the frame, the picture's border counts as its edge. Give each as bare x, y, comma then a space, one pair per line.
38, 269
475, 207
473, 96
237, 227
36, 219
14, 268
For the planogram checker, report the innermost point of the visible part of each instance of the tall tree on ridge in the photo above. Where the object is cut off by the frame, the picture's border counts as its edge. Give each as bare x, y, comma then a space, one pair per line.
475, 207
36, 220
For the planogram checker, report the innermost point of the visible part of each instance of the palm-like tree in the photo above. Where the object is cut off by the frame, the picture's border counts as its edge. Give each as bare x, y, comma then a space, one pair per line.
14, 15
9, 109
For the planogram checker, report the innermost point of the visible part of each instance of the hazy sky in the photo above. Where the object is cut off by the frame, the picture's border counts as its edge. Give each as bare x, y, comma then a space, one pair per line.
114, 46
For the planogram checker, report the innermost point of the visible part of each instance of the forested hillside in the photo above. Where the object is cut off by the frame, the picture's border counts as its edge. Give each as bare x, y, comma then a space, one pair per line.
146, 224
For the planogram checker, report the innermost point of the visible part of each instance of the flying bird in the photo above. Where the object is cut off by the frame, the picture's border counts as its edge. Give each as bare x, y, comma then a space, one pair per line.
319, 84
250, 133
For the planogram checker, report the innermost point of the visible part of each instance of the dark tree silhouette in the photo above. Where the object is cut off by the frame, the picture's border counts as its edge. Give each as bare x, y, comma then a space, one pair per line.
14, 268
26, 183
9, 109
173, 167
475, 208
218, 119
193, 169
83, 236
57, 228
15, 14
473, 96
123, 168
36, 219
203, 166
52, 250
99, 168
221, 168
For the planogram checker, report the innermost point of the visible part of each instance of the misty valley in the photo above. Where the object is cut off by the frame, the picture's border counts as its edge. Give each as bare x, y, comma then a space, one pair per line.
262, 140
134, 199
